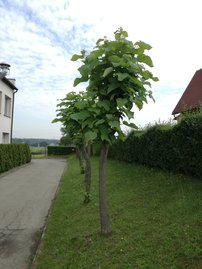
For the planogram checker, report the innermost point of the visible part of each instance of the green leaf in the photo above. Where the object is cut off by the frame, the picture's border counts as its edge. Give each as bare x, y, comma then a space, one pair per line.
98, 41
81, 104
121, 102
122, 136
114, 124
155, 79
114, 59
99, 122
84, 70
124, 33
122, 76
87, 123
55, 120
107, 71
104, 135
132, 125
112, 87
136, 81
90, 135
75, 57
129, 105
92, 58
145, 59
139, 103
146, 74
117, 36
109, 116
96, 53
95, 110
146, 83
129, 114
79, 80
105, 104
143, 45
82, 115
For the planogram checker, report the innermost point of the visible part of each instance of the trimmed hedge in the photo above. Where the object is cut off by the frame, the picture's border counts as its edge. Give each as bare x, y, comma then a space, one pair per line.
12, 155
59, 150
177, 149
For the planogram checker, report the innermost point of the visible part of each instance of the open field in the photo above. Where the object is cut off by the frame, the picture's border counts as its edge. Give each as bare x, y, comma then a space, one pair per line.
156, 219
35, 151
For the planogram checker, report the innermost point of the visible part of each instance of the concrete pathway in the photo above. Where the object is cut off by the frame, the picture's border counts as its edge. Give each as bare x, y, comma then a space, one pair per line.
25, 198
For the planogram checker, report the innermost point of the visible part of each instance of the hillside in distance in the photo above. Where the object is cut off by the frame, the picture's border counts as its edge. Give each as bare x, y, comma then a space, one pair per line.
35, 142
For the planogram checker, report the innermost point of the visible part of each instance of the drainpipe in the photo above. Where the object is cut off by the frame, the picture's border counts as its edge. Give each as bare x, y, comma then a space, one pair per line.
11, 135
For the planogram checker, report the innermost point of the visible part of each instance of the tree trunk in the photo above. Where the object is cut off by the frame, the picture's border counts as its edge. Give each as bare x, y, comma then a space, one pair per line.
80, 158
86, 151
104, 217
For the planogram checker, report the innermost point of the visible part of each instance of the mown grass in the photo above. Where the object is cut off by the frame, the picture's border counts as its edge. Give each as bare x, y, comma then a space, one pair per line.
156, 219
38, 152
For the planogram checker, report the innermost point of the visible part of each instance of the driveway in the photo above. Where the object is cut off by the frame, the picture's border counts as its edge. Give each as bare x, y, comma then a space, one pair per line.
25, 198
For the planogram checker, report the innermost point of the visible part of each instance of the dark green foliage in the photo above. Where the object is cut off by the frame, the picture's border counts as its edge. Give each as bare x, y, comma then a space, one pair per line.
12, 155
65, 140
177, 149
60, 150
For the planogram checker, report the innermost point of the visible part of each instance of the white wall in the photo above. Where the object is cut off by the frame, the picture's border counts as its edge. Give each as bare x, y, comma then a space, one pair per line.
5, 121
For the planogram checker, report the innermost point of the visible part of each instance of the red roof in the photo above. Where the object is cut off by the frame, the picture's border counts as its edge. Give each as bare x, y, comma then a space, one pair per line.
192, 96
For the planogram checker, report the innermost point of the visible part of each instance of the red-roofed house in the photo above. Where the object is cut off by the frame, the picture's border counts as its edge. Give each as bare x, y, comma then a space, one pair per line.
192, 96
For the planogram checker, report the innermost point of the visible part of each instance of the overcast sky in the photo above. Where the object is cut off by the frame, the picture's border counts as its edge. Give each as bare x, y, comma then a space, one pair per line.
38, 38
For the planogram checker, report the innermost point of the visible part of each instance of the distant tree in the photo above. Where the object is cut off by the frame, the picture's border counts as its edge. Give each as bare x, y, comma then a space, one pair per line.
66, 139
34, 144
117, 77
43, 144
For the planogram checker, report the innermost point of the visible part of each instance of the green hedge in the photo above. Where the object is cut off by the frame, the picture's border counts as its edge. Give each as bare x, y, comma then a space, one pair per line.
60, 150
177, 149
12, 155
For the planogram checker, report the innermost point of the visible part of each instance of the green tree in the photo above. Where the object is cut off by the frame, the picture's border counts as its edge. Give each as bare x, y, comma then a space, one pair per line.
117, 78
75, 115
66, 139
43, 144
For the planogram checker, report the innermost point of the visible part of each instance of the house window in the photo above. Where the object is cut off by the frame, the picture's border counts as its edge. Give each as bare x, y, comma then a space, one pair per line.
0, 100
5, 138
7, 110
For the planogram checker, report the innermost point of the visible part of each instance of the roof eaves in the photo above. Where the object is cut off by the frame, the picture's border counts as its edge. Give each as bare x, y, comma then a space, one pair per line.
10, 84
192, 95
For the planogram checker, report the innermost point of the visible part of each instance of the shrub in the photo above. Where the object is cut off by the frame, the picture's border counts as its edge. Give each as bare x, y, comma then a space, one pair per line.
60, 150
12, 155
177, 149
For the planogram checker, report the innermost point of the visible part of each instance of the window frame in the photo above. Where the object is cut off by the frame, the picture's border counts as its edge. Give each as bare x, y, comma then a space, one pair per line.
5, 138
8, 106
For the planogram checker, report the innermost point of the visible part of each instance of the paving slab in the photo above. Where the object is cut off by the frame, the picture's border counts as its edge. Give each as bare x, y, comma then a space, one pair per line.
26, 195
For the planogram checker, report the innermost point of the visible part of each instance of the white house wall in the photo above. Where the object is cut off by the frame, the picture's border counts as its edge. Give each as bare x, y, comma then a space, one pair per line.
5, 121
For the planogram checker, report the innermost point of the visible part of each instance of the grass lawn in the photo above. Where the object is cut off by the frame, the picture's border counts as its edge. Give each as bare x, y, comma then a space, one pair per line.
41, 152
38, 152
156, 219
